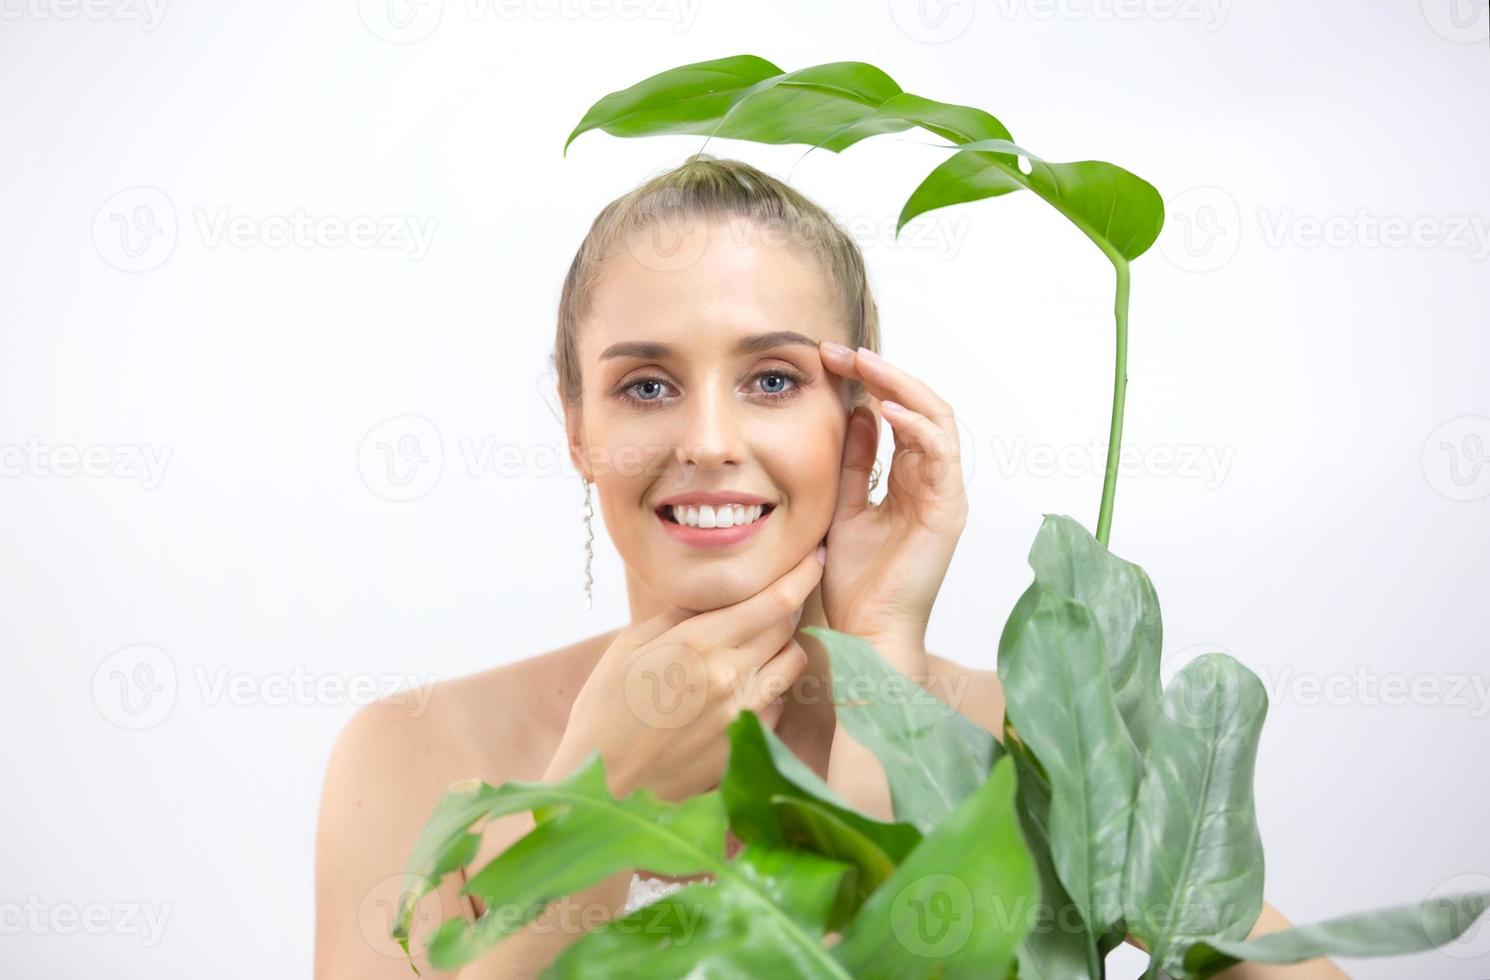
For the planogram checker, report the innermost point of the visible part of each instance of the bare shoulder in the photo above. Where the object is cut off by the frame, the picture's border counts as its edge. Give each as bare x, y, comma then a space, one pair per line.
976, 694
388, 769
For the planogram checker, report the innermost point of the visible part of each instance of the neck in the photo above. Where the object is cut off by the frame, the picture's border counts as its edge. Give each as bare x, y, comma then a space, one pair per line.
807, 722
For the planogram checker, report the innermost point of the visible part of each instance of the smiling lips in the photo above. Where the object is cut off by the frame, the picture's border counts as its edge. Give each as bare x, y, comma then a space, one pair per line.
713, 520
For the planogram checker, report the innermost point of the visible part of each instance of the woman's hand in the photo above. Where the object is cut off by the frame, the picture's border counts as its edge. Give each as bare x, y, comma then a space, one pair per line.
886, 561
659, 703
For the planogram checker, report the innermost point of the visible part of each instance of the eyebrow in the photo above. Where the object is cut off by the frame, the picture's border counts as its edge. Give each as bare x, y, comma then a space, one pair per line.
753, 344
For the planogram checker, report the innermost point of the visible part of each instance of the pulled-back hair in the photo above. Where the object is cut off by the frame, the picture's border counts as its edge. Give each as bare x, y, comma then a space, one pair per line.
707, 187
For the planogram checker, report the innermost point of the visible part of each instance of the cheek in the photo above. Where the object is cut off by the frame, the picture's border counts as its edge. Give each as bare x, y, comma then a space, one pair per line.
803, 455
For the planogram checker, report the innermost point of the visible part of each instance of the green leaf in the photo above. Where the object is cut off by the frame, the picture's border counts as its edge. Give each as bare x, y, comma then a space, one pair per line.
1059, 700
765, 916
1195, 863
588, 836
1069, 561
933, 756
961, 902
689, 99
773, 798
1119, 211
1059, 941
836, 105
1384, 932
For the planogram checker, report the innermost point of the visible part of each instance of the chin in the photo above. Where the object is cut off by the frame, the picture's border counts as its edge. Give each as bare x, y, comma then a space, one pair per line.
714, 588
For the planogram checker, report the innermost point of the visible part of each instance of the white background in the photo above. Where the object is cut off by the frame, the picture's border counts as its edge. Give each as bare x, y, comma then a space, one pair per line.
1322, 543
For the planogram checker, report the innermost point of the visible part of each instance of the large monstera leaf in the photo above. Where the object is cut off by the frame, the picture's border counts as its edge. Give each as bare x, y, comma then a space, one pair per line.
836, 105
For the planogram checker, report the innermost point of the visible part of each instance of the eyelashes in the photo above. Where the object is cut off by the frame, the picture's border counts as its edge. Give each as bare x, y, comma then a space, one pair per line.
628, 391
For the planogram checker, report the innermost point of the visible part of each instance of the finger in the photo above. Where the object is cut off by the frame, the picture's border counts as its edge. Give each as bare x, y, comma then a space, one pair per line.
735, 625
650, 629
860, 445
915, 431
776, 677
886, 381
770, 715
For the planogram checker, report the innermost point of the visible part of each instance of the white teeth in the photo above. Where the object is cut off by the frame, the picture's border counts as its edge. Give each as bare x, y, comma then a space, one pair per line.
725, 515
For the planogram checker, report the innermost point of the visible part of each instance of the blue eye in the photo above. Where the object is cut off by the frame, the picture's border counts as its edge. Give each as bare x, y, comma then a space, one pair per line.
651, 385
776, 385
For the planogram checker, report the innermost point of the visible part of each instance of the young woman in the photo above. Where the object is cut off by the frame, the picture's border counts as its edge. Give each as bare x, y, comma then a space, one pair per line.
716, 356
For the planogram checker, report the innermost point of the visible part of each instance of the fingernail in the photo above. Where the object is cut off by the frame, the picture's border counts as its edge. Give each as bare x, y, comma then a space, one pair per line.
822, 554
869, 355
894, 408
837, 349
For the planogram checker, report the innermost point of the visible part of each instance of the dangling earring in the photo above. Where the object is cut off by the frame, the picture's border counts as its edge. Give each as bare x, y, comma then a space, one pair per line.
589, 549
874, 476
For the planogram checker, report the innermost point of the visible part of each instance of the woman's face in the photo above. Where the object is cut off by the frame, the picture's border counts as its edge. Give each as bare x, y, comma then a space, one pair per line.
703, 388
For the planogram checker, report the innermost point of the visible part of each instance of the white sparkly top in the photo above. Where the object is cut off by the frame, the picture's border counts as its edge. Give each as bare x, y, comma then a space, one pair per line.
645, 890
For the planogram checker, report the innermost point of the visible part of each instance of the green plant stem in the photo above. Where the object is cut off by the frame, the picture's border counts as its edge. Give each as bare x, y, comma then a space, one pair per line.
1093, 961
1119, 398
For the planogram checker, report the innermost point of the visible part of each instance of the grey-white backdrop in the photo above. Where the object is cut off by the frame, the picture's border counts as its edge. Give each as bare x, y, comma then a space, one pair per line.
276, 430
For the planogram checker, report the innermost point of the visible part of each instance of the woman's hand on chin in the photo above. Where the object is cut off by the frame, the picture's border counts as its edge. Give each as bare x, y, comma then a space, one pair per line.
886, 561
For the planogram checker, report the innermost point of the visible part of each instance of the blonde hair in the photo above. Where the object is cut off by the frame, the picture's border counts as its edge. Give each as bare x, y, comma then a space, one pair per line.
704, 186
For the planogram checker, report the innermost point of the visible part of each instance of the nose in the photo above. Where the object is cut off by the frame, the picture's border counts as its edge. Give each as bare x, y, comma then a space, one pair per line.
711, 435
